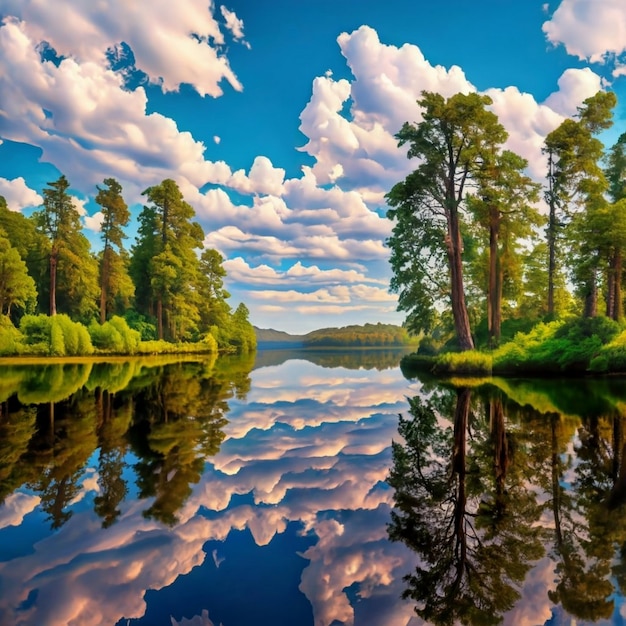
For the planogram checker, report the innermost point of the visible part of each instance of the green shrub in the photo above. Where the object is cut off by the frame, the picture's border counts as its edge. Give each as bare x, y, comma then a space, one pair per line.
84, 341
10, 337
146, 328
69, 333
106, 337
36, 329
130, 337
57, 344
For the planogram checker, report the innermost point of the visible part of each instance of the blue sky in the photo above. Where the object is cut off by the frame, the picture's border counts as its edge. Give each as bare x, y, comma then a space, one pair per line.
277, 118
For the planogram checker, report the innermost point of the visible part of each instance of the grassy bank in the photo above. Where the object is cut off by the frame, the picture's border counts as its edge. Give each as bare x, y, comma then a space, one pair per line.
565, 347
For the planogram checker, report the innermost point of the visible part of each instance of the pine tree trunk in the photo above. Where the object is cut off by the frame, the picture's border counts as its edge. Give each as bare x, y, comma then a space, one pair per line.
53, 282
551, 236
618, 307
457, 289
103, 286
591, 297
159, 316
494, 295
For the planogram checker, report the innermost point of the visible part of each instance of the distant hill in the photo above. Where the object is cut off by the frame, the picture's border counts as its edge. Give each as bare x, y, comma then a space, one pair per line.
366, 335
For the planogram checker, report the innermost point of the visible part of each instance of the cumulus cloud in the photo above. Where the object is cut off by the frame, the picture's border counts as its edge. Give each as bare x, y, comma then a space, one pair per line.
94, 222
595, 31
87, 124
263, 178
171, 44
575, 86
15, 507
299, 274
388, 80
18, 195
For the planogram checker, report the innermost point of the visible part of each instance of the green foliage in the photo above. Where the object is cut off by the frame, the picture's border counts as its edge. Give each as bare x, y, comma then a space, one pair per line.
611, 357
557, 347
36, 333
105, 337
130, 338
140, 323
57, 343
467, 362
365, 335
55, 336
167, 347
10, 337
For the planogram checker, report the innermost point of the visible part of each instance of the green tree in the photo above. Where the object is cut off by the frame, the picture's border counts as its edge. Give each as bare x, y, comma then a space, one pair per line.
73, 271
32, 245
214, 310
17, 288
576, 184
166, 259
114, 279
503, 208
428, 205
615, 172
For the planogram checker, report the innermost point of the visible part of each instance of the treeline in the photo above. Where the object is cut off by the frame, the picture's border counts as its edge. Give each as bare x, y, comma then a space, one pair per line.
473, 258
167, 289
366, 335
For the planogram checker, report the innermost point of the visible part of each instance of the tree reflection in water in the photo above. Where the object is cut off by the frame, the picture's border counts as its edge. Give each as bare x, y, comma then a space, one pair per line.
170, 418
463, 506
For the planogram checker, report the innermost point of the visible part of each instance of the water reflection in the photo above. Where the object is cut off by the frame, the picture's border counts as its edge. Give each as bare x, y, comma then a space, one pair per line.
514, 508
235, 492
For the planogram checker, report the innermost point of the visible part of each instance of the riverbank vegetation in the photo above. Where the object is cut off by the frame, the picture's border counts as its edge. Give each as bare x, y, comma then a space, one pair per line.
164, 295
495, 272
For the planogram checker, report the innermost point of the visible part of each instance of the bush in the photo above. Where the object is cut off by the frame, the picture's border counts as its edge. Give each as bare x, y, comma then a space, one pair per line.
145, 328
10, 337
130, 337
57, 344
36, 330
106, 337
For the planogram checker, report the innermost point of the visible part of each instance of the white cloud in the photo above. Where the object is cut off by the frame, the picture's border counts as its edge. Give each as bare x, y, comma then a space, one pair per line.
94, 222
297, 274
388, 81
15, 507
88, 125
593, 30
575, 86
18, 195
79, 205
234, 25
263, 178
172, 44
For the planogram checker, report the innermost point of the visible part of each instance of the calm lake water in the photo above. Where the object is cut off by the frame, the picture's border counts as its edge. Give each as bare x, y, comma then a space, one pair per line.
267, 491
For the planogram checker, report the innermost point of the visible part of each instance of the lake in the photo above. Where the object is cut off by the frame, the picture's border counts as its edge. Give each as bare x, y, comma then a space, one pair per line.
296, 488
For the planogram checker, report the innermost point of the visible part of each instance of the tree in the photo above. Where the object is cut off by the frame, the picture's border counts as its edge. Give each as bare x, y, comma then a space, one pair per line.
112, 264
575, 180
450, 142
165, 260
73, 271
214, 310
502, 206
17, 288
615, 172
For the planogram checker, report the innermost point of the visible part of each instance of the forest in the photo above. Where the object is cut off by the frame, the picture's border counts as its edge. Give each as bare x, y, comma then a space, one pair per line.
497, 272
59, 297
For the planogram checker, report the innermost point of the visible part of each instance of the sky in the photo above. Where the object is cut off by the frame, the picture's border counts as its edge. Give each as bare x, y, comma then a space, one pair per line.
277, 119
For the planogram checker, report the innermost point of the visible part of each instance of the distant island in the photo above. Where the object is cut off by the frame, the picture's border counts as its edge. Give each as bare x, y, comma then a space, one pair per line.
366, 335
